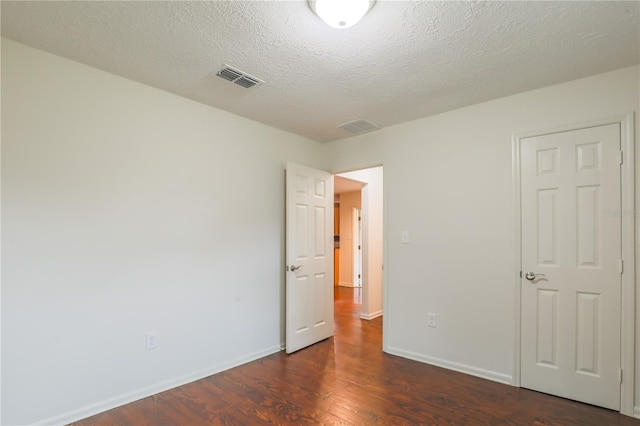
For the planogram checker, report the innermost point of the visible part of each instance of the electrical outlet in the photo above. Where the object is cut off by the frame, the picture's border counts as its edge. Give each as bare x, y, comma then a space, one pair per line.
432, 320
152, 339
404, 237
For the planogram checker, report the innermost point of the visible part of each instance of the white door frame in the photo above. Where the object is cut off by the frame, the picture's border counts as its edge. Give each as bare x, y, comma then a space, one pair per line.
356, 231
628, 329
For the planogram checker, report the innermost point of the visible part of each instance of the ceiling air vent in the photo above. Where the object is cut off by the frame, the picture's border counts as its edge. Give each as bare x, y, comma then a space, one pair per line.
238, 77
359, 126
246, 81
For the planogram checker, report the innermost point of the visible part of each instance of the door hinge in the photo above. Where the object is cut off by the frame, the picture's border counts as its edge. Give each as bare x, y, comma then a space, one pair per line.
620, 157
620, 375
621, 266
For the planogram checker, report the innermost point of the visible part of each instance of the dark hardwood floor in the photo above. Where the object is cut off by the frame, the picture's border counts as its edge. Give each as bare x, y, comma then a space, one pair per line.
349, 380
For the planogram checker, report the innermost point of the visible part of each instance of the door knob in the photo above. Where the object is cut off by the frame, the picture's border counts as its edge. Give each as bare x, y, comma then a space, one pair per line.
295, 267
531, 276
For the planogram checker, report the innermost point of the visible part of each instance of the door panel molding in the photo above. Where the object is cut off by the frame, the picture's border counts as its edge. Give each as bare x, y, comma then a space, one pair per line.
628, 295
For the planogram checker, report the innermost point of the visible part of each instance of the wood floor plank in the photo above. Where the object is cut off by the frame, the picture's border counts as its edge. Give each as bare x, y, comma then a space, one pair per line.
348, 380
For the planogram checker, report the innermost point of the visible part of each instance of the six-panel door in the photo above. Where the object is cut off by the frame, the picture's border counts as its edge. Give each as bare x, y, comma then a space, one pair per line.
309, 254
570, 336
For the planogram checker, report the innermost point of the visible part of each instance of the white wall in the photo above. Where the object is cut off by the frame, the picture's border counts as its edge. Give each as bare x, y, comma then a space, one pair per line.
125, 209
348, 202
448, 180
372, 239
128, 209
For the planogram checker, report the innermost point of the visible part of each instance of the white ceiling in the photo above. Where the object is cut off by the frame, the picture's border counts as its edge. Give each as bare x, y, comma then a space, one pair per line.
405, 60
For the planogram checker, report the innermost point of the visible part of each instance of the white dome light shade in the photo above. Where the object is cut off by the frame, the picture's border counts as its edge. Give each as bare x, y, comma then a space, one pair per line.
341, 13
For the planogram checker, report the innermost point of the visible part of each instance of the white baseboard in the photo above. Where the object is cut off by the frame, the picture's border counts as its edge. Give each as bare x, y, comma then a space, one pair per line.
343, 284
450, 365
371, 316
637, 412
100, 407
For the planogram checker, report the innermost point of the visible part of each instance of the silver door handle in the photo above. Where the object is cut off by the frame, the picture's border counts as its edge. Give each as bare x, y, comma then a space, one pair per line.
531, 276
295, 267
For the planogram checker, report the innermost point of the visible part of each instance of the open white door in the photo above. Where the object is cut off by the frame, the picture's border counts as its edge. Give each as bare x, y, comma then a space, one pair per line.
572, 265
309, 256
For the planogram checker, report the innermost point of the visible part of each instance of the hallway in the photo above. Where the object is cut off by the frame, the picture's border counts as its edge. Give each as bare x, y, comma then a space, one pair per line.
349, 380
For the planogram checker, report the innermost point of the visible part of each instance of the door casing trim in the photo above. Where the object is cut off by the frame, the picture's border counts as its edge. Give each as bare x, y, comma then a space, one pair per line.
628, 291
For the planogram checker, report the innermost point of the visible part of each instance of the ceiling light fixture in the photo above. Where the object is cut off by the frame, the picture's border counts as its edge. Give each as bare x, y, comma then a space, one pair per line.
341, 13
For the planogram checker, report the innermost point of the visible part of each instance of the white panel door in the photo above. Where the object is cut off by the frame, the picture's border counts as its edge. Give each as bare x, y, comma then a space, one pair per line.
570, 336
309, 254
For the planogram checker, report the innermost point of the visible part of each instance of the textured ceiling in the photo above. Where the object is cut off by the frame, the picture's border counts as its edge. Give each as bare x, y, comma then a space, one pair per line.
405, 60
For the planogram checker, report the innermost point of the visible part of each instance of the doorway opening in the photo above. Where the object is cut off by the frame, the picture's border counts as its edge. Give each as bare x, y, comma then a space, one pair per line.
358, 237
